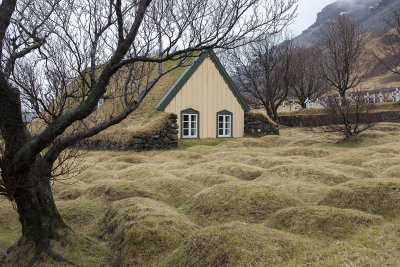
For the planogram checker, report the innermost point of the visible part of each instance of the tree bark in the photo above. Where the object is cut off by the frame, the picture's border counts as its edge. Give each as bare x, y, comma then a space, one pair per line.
38, 214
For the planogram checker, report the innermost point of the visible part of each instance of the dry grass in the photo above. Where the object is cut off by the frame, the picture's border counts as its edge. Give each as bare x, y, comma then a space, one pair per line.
323, 221
243, 201
378, 196
237, 244
142, 229
289, 200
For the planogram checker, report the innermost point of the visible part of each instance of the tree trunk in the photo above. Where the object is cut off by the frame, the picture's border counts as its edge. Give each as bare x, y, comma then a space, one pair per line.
37, 211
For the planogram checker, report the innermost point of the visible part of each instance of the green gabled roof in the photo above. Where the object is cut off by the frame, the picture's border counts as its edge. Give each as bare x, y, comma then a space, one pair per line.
177, 86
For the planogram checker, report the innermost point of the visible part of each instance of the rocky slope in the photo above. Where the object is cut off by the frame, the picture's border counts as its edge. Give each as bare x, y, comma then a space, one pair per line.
372, 15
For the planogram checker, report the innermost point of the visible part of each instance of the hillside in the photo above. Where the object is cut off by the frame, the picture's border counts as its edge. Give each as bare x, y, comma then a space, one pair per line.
298, 199
372, 15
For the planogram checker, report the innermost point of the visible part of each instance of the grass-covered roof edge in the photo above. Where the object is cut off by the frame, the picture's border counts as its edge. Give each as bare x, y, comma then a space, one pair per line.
190, 70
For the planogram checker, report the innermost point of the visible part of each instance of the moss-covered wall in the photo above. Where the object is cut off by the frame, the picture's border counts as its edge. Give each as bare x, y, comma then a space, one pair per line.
314, 120
258, 125
164, 138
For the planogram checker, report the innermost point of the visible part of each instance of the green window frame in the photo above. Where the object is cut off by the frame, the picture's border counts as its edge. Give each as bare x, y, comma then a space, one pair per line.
190, 124
224, 124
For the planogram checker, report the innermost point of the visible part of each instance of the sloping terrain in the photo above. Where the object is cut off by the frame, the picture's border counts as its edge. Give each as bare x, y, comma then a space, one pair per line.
288, 200
373, 16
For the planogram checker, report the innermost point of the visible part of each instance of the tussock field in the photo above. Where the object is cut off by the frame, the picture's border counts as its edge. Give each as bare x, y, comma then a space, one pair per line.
290, 200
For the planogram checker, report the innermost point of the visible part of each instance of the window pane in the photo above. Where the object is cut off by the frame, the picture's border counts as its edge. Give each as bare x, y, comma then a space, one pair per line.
220, 132
228, 119
186, 124
185, 132
228, 125
193, 125
228, 132
185, 117
220, 125
220, 118
193, 117
193, 132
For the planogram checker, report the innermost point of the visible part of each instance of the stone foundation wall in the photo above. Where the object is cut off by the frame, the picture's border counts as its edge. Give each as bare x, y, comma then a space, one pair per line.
259, 125
315, 121
164, 138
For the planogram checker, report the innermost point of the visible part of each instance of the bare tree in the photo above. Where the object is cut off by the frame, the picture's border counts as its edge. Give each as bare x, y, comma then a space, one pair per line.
346, 117
388, 53
342, 64
60, 57
307, 81
264, 72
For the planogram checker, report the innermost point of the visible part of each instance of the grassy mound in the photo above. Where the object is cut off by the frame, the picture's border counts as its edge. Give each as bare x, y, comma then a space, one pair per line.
142, 229
305, 152
112, 190
130, 158
10, 229
240, 171
267, 162
393, 172
244, 201
309, 193
228, 156
236, 244
124, 208
306, 173
171, 190
83, 214
77, 248
208, 178
323, 221
353, 172
253, 143
379, 196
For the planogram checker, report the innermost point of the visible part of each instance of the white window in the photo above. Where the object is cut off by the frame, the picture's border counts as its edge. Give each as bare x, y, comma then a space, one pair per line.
224, 125
189, 125
100, 103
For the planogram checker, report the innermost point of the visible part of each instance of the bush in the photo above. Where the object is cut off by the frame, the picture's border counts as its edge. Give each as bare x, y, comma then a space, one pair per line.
346, 117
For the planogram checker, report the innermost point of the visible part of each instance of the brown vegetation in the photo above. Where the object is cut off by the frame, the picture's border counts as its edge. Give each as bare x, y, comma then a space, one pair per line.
316, 198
